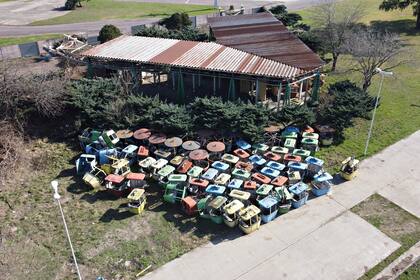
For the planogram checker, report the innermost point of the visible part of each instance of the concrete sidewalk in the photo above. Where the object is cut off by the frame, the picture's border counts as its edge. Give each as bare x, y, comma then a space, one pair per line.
322, 239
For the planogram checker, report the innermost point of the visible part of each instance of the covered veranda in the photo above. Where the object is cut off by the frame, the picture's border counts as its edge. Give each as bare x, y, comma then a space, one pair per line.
182, 70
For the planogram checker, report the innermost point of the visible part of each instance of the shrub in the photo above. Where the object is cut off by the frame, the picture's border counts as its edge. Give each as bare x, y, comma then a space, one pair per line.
172, 119
103, 102
252, 120
281, 13
176, 21
91, 96
108, 32
348, 101
296, 115
190, 34
154, 31
213, 113
70, 4
186, 33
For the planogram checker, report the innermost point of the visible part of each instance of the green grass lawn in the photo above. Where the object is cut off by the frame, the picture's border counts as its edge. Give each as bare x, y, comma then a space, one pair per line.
95, 10
395, 222
7, 41
399, 113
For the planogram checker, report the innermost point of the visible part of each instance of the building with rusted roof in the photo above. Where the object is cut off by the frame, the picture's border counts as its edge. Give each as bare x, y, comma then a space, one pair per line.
231, 67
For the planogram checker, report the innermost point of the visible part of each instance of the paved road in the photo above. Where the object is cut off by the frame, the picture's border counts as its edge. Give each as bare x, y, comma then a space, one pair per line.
321, 240
125, 25
20, 12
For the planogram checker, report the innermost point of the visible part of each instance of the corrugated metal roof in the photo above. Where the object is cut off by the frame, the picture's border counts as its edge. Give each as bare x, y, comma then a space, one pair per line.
197, 55
263, 35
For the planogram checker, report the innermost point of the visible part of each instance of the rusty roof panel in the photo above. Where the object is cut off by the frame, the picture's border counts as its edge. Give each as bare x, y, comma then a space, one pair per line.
170, 55
196, 55
263, 35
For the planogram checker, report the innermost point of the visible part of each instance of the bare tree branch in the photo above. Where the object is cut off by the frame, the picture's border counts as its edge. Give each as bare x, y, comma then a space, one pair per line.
333, 21
372, 49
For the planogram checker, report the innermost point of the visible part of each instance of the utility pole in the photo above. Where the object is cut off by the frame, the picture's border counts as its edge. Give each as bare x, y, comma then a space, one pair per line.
383, 74
57, 197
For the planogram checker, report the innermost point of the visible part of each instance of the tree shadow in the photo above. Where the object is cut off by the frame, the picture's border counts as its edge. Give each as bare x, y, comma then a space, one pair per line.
59, 9
101, 195
402, 27
115, 215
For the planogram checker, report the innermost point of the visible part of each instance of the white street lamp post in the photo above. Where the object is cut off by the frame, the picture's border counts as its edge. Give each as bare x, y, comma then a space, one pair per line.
57, 197
383, 74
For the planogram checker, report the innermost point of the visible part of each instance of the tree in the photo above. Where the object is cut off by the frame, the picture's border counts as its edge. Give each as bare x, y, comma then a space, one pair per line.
108, 32
372, 49
70, 4
176, 21
333, 21
388, 5
312, 40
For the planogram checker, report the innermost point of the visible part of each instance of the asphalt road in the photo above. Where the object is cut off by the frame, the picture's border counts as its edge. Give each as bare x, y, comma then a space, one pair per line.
92, 28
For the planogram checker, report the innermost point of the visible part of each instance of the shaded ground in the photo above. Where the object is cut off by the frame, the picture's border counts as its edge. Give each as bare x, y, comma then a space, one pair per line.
392, 220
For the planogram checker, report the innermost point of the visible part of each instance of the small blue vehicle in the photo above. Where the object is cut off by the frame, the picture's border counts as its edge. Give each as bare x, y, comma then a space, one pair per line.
292, 129
276, 165
85, 163
300, 194
104, 155
298, 166
269, 207
314, 164
93, 148
215, 190
242, 144
210, 175
235, 183
221, 166
257, 160
270, 172
321, 184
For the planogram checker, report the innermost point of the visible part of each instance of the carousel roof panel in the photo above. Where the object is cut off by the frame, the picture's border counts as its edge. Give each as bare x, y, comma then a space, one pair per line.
198, 154
207, 56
